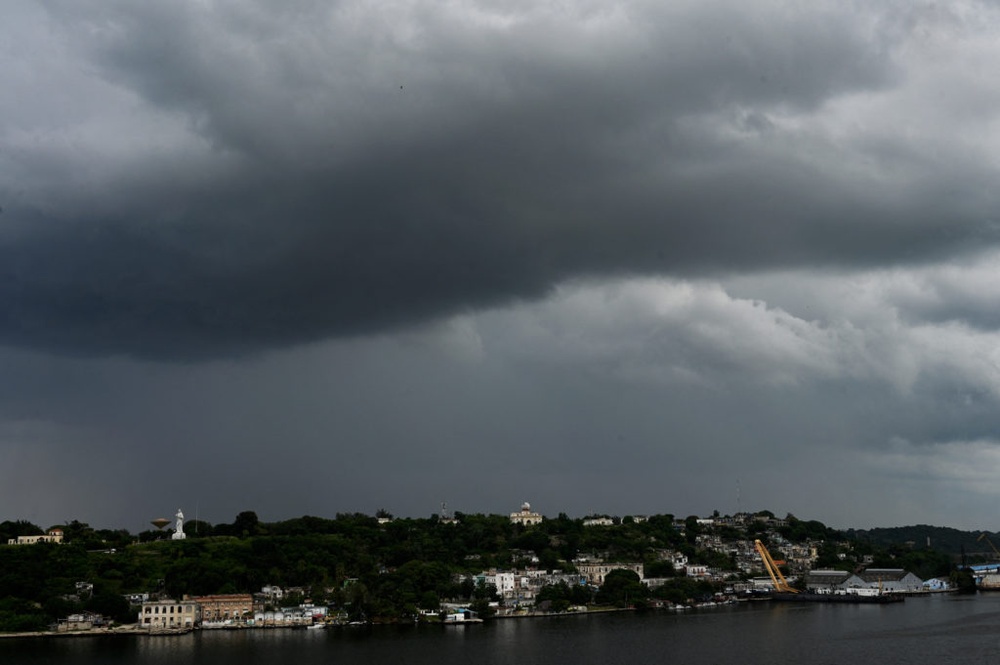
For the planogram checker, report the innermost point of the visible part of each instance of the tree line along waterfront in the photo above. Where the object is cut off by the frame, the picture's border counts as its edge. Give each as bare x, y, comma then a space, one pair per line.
380, 569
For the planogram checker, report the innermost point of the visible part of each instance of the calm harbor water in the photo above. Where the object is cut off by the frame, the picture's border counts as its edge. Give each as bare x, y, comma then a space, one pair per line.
939, 630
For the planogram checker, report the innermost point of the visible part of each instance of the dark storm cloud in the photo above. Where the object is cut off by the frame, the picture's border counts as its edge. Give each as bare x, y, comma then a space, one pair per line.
339, 169
663, 394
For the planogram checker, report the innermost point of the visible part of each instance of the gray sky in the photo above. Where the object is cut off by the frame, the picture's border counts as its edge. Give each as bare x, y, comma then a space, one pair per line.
637, 257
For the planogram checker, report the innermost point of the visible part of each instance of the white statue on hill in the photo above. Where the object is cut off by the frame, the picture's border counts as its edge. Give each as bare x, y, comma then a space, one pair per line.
179, 529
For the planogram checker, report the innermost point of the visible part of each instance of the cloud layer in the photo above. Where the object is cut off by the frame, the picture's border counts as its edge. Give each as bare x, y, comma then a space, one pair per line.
392, 254
214, 178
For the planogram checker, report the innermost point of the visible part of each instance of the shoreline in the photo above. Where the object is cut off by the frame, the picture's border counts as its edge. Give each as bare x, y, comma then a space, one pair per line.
135, 630
93, 632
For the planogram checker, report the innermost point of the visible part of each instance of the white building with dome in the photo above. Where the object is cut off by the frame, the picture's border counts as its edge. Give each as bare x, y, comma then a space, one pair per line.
525, 516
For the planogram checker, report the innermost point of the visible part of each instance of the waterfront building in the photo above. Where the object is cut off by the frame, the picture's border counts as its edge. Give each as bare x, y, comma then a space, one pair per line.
887, 579
225, 606
936, 584
80, 622
892, 580
169, 614
824, 580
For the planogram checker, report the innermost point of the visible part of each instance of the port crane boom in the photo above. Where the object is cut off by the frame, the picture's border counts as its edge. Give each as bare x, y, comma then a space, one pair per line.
982, 536
780, 583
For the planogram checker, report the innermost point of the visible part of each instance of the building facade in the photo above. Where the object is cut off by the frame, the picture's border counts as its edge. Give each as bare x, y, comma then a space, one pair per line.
169, 614
598, 521
525, 516
596, 572
53, 536
225, 607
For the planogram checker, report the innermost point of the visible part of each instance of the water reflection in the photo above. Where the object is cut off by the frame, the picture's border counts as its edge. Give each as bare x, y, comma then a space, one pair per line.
940, 630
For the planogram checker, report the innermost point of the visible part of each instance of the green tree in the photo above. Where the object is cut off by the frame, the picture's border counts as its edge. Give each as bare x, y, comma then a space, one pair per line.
621, 588
660, 569
111, 605
10, 530
197, 529
246, 524
430, 601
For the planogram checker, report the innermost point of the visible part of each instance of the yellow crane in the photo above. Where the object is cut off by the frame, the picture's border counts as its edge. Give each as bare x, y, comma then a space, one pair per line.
982, 536
780, 583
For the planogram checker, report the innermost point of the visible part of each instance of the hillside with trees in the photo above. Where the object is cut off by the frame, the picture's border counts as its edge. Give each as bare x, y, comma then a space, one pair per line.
388, 570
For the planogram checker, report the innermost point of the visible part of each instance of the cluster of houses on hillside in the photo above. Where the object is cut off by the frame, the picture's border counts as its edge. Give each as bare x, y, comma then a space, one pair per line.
517, 587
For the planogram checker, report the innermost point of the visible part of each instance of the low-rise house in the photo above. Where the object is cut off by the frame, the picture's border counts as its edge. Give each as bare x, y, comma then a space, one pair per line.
656, 582
800, 558
272, 592
269, 618
53, 536
736, 521
598, 520
709, 541
525, 555
314, 612
80, 621
520, 587
136, 599
937, 584
596, 572
301, 615
463, 615
502, 581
